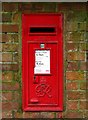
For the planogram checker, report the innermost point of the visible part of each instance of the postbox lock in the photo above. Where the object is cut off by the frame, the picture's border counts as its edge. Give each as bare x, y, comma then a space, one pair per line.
42, 45
36, 79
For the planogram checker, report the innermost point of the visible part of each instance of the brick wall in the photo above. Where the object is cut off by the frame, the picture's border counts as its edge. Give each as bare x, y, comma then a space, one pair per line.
75, 36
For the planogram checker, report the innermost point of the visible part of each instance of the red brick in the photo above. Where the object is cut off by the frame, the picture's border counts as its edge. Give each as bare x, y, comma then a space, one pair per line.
24, 6
6, 57
16, 96
6, 114
72, 66
6, 96
59, 114
15, 17
82, 105
9, 47
8, 106
76, 95
72, 105
74, 114
74, 75
13, 67
8, 28
76, 56
83, 65
9, 37
72, 86
82, 56
72, 46
7, 76
9, 7
10, 86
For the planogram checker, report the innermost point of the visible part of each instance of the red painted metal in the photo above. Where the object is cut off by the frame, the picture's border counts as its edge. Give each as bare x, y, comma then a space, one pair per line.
42, 92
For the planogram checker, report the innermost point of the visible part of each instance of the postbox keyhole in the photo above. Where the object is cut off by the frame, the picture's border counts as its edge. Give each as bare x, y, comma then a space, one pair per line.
36, 79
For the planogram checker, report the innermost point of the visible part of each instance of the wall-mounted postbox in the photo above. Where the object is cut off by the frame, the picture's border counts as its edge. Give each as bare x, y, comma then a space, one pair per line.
42, 62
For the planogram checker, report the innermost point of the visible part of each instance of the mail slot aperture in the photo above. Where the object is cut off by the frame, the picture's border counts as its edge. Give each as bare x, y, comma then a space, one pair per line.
42, 62
42, 30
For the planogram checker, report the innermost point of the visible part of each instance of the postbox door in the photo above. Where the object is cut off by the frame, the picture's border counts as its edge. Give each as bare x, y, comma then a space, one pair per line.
43, 80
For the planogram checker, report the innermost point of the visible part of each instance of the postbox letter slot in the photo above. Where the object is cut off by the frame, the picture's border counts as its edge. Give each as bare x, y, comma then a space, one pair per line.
42, 30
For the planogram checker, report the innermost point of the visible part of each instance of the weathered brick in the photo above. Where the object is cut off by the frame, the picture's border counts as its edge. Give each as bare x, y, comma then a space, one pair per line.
9, 37
72, 105
15, 17
8, 28
74, 75
59, 114
0, 47
6, 96
18, 115
72, 46
76, 95
82, 26
46, 115
16, 74
75, 36
7, 57
86, 114
9, 47
7, 76
72, 66
76, 56
83, 65
72, 6
9, 7
82, 105
16, 96
6, 17
8, 106
82, 56
23, 6
13, 67
49, 7
6, 114
84, 85
72, 26
72, 86
74, 114
15, 57
10, 86
31, 114
40, 115
83, 46
79, 16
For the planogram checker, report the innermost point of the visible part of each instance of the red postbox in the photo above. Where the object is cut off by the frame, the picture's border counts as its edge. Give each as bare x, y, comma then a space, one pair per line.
42, 62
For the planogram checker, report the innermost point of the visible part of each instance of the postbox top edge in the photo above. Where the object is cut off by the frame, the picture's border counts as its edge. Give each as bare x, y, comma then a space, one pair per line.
50, 14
